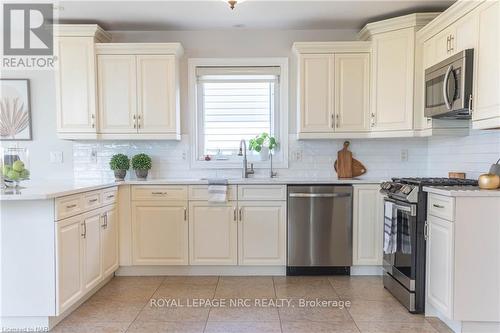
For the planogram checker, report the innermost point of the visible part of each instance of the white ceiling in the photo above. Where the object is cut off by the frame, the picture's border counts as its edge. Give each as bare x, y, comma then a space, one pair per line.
251, 14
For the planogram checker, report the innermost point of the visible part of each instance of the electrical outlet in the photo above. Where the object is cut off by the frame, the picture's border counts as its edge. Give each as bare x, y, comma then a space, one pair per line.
184, 155
56, 157
404, 155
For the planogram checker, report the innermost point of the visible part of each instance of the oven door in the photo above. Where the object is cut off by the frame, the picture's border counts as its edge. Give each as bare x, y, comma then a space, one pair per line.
400, 238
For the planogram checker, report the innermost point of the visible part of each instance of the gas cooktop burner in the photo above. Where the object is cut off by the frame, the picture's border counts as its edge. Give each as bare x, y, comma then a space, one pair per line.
436, 181
407, 189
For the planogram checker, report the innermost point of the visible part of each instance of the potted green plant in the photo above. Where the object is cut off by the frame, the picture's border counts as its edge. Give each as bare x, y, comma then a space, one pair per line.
119, 163
263, 144
141, 163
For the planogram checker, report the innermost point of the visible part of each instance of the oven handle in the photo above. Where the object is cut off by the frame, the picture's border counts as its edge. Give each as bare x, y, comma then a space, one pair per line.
445, 87
409, 209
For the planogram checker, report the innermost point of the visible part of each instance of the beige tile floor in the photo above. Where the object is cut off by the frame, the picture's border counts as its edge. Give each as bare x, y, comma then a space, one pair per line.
124, 305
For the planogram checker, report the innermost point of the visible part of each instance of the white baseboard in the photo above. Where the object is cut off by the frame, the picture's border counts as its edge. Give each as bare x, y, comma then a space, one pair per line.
200, 270
367, 270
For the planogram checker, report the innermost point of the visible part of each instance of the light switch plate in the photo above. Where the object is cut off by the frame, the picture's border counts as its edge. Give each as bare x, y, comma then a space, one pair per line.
404, 155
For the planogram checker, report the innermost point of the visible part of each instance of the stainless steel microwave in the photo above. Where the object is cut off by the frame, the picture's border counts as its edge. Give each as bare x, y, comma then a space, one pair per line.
448, 87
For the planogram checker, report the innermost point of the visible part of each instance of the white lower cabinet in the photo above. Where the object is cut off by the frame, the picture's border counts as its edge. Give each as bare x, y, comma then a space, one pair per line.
213, 233
69, 259
86, 253
261, 233
160, 233
440, 259
368, 225
109, 241
92, 250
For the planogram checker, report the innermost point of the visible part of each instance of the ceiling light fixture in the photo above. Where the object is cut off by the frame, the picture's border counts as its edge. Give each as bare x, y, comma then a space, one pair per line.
233, 3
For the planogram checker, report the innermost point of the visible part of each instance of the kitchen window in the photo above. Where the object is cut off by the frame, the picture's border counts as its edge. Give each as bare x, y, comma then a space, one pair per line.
235, 103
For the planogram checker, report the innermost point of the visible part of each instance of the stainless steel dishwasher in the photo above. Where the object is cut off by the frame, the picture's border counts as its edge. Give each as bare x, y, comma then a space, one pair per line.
319, 229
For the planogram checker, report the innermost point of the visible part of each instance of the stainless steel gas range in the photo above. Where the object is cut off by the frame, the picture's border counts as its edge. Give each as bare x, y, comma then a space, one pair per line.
405, 213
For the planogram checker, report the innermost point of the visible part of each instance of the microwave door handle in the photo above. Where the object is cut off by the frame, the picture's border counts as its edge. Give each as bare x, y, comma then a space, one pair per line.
445, 87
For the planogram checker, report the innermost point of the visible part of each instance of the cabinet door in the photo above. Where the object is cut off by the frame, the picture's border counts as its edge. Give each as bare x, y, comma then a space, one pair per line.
393, 84
440, 248
92, 269
352, 92
444, 41
487, 97
69, 244
117, 93
213, 233
368, 225
160, 233
109, 241
157, 94
262, 233
466, 30
75, 84
315, 93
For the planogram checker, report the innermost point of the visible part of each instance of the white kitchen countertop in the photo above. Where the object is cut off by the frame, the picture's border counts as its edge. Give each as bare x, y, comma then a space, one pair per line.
43, 190
462, 191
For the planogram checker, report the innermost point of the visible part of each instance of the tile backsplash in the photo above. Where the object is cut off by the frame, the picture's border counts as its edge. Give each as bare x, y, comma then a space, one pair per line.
382, 158
434, 156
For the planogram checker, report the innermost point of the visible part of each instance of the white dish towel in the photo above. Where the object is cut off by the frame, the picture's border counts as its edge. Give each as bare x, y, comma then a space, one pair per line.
217, 190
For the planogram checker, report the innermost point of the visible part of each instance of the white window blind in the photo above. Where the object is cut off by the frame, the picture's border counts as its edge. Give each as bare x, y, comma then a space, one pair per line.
235, 103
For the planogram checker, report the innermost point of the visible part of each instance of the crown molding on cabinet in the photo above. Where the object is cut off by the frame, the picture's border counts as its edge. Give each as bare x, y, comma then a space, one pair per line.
140, 48
448, 17
417, 20
82, 30
331, 47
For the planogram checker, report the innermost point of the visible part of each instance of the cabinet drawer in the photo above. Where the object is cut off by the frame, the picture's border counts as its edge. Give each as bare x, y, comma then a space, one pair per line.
150, 192
91, 200
261, 192
441, 206
69, 206
200, 192
109, 196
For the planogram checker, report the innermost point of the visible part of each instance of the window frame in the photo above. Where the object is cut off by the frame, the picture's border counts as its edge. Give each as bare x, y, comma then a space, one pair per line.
280, 160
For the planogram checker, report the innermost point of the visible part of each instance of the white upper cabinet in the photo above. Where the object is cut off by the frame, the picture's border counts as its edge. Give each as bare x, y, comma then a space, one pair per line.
157, 94
76, 79
393, 61
486, 106
115, 90
117, 93
352, 92
333, 89
315, 97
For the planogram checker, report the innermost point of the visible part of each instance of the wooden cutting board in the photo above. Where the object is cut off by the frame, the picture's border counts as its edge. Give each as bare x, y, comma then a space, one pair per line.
357, 168
344, 162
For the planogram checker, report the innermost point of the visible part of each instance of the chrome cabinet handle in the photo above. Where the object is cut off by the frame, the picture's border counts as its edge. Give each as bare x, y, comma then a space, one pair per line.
93, 120
337, 120
103, 225
139, 121
234, 214
331, 120
437, 206
241, 214
110, 196
71, 206
185, 214
106, 220
470, 104
84, 235
448, 44
451, 43
426, 230
135, 120
159, 193
92, 200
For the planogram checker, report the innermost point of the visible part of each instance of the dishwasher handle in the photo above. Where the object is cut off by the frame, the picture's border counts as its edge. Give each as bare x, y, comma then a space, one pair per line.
319, 195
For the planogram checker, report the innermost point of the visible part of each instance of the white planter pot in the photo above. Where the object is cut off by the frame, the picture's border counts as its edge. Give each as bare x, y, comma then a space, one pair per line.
264, 154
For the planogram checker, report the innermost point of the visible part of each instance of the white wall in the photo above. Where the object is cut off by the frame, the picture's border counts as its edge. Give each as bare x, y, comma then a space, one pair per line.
43, 114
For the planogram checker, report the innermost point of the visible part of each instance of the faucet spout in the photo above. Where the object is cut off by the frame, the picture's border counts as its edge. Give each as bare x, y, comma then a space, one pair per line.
243, 152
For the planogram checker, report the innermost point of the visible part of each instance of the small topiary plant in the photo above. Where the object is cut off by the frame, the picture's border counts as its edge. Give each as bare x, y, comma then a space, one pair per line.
119, 162
141, 162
